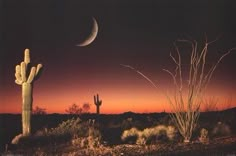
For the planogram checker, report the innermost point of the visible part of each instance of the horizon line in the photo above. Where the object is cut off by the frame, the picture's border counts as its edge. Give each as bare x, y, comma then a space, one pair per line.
113, 113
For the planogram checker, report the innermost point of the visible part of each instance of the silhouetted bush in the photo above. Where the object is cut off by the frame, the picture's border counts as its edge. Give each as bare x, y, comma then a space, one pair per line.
39, 111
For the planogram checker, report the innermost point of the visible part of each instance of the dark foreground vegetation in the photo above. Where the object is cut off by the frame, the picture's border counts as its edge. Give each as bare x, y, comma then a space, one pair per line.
123, 134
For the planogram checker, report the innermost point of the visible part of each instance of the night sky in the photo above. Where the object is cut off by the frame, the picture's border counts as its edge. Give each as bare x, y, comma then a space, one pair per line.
139, 33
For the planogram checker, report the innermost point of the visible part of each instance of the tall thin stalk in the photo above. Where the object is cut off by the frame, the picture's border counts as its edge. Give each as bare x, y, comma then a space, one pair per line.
186, 108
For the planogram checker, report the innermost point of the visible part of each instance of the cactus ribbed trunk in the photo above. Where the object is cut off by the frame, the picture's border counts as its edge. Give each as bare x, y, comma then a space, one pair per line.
27, 100
98, 110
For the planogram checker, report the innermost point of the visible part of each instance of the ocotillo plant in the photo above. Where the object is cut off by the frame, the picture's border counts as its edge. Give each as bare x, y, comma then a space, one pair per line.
97, 102
22, 71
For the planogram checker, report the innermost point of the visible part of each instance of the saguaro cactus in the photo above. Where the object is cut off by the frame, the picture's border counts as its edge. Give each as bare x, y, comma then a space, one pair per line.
97, 102
22, 71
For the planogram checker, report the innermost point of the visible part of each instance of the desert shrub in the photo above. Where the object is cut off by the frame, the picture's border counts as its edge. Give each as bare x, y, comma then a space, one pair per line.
62, 133
94, 138
73, 130
150, 132
171, 132
86, 108
150, 135
204, 136
74, 109
221, 129
69, 127
159, 133
39, 111
141, 140
130, 135
203, 133
91, 140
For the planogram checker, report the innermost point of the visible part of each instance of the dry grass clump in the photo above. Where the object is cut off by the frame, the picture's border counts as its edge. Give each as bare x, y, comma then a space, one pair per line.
150, 135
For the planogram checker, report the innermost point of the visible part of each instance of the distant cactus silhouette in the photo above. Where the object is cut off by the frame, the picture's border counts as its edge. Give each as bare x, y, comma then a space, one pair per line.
22, 71
97, 102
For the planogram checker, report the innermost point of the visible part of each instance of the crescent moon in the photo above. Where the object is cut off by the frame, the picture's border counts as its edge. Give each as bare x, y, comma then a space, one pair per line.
91, 36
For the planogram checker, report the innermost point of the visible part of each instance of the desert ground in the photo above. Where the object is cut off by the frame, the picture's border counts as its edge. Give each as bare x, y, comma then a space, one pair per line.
91, 134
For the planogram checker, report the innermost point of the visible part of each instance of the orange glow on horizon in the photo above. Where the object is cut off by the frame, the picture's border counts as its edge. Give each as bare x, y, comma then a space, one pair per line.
119, 94
139, 99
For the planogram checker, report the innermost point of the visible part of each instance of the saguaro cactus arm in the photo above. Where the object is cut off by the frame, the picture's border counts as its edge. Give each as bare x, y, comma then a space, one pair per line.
39, 70
22, 71
27, 56
18, 75
97, 101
